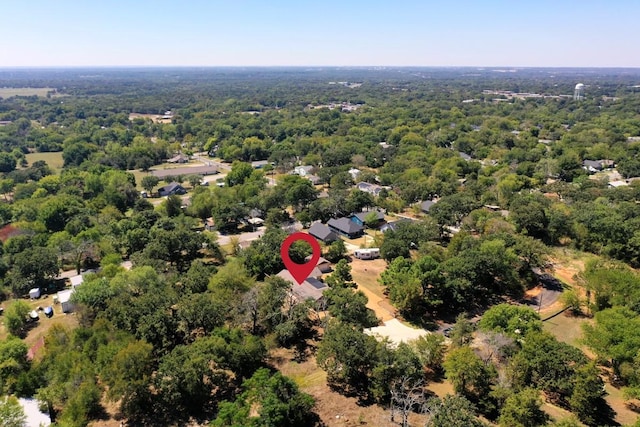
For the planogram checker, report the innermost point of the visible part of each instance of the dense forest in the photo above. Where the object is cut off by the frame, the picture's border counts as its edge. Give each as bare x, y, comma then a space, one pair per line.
176, 322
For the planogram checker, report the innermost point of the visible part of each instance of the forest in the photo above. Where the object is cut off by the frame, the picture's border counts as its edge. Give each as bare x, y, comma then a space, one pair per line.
470, 182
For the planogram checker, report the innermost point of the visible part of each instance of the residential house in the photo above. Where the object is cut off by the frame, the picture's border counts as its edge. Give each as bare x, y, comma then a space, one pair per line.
259, 164
303, 170
360, 218
322, 232
323, 265
464, 156
180, 158
354, 173
209, 224
311, 288
593, 166
315, 179
346, 227
427, 205
171, 189
373, 189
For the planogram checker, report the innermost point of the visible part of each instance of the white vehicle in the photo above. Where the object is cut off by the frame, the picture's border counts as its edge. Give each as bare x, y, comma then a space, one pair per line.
371, 253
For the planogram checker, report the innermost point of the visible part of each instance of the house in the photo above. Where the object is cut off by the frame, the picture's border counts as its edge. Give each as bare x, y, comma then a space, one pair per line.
394, 225
427, 205
354, 173
593, 166
346, 227
315, 179
180, 158
311, 288
259, 164
373, 189
464, 156
360, 218
323, 265
303, 170
209, 224
616, 184
171, 189
322, 232
64, 298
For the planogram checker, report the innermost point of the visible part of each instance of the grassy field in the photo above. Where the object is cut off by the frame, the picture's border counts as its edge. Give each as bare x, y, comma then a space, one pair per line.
54, 160
8, 92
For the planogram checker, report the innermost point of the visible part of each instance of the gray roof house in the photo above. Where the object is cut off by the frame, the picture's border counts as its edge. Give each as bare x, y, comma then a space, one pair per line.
393, 226
346, 227
427, 205
311, 288
171, 189
322, 232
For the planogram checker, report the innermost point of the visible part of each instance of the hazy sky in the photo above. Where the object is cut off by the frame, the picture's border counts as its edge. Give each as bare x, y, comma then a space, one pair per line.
585, 33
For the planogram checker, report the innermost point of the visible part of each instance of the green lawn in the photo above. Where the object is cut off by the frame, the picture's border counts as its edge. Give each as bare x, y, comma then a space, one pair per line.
54, 160
566, 328
8, 92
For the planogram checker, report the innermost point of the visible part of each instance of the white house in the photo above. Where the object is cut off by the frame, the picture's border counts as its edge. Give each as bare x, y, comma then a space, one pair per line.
303, 170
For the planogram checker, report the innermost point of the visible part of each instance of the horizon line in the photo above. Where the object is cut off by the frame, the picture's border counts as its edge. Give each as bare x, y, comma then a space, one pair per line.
501, 67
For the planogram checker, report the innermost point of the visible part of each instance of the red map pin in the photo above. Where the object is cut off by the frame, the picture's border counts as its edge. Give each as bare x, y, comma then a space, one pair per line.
300, 272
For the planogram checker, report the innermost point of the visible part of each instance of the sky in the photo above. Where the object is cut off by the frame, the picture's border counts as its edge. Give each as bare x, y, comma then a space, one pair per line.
518, 33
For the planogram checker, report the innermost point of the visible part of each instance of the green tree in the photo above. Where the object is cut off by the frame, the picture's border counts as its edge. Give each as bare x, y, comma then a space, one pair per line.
522, 409
268, 400
452, 411
430, 349
148, 182
13, 362
512, 320
347, 355
467, 373
15, 317
11, 412
336, 251
350, 306
587, 400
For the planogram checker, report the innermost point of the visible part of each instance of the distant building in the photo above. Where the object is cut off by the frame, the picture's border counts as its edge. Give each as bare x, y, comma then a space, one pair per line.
209, 224
303, 170
346, 227
259, 164
180, 158
373, 189
427, 205
311, 288
593, 166
394, 225
578, 92
465, 156
171, 189
322, 232
354, 173
360, 218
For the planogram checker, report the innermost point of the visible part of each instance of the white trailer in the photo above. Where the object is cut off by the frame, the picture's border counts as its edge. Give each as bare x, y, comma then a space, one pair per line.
371, 253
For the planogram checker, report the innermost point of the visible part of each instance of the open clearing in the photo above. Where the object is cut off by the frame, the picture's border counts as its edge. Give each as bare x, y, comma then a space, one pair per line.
8, 92
366, 273
53, 159
156, 118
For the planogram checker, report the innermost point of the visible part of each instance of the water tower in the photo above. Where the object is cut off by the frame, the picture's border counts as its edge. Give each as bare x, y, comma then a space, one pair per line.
578, 93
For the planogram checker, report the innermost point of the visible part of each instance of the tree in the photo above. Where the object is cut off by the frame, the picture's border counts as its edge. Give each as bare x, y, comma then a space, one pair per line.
512, 320
239, 173
336, 251
194, 180
11, 412
452, 411
148, 182
462, 331
350, 306
268, 400
615, 336
430, 349
587, 400
347, 355
15, 317
13, 362
7, 162
522, 409
467, 372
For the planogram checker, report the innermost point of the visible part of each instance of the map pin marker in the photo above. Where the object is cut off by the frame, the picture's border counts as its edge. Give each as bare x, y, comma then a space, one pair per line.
300, 272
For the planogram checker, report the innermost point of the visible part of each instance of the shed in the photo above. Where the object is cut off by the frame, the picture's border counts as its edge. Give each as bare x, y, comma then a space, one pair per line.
64, 298
76, 280
34, 293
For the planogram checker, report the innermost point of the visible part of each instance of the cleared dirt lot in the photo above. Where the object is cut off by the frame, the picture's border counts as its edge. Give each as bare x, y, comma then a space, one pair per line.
366, 274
